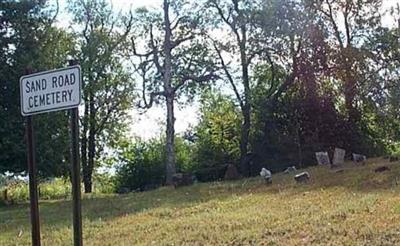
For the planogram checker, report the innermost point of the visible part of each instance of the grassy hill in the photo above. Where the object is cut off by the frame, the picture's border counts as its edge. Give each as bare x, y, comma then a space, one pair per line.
353, 207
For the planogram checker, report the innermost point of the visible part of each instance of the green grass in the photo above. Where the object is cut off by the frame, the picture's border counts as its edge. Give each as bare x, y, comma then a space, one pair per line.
59, 188
355, 207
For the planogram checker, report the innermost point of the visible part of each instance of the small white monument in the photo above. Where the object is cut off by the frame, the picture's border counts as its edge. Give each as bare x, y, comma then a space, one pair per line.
359, 158
266, 174
338, 157
303, 177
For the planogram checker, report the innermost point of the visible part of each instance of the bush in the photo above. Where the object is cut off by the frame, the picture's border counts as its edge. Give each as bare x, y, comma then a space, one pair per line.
18, 191
104, 183
218, 132
211, 173
141, 165
55, 189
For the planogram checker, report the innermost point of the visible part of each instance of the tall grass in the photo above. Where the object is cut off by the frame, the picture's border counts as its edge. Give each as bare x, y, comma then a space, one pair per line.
356, 206
59, 188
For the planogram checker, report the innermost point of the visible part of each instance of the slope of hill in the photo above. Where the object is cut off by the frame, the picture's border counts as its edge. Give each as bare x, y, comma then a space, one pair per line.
353, 207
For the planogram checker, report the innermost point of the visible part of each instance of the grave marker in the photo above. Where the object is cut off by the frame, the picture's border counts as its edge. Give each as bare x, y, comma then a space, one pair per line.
322, 158
338, 157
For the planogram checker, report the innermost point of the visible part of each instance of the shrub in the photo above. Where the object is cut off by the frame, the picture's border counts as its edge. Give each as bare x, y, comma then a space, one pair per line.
211, 173
55, 189
104, 183
141, 164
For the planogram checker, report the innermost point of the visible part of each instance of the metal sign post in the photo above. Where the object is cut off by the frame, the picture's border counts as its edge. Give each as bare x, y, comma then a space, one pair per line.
45, 92
33, 194
75, 172
76, 183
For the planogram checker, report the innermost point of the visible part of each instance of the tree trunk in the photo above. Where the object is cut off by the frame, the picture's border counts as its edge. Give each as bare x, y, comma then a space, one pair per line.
244, 141
350, 94
169, 96
246, 110
170, 143
87, 178
84, 140
299, 147
350, 84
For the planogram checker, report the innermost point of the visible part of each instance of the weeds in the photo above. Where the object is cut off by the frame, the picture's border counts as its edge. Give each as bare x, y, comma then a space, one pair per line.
354, 207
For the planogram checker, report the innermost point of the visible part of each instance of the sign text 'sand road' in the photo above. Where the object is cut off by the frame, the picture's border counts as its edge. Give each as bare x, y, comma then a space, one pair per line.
50, 91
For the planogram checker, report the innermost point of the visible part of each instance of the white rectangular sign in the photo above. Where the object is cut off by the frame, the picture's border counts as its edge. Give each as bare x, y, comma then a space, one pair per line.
50, 90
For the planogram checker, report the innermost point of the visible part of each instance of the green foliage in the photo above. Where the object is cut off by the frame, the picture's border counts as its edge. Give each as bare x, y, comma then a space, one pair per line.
52, 189
307, 86
28, 40
141, 164
104, 183
217, 134
107, 86
18, 191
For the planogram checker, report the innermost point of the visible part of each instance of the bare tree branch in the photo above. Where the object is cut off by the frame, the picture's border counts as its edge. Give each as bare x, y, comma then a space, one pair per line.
175, 25
153, 96
229, 76
176, 43
154, 48
135, 53
198, 79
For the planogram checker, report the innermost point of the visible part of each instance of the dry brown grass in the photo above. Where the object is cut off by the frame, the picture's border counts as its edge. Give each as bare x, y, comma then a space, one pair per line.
354, 207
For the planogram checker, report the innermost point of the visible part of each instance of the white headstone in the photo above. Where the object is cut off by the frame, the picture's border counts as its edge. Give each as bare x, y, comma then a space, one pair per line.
302, 177
290, 169
266, 174
338, 157
359, 158
322, 158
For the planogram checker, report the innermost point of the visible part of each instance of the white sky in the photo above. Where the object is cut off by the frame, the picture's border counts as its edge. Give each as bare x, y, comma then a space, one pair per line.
149, 124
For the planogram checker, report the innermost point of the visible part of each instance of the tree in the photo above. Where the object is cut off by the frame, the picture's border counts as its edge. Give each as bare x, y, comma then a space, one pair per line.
107, 87
28, 40
293, 97
350, 23
381, 92
175, 61
266, 33
245, 40
216, 137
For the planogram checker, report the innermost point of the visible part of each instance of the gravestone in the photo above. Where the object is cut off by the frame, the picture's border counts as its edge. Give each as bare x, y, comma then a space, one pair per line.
290, 169
182, 179
382, 169
359, 158
338, 157
266, 174
302, 177
231, 173
322, 158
